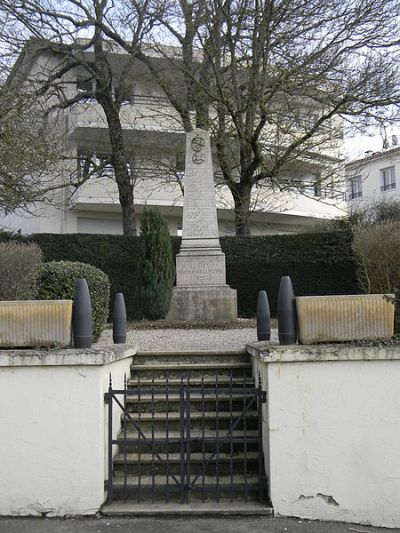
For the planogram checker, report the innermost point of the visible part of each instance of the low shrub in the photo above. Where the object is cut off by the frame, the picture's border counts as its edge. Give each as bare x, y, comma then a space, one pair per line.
377, 251
57, 282
19, 267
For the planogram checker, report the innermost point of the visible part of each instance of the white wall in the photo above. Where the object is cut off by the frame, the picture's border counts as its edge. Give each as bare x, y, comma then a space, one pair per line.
332, 432
53, 429
369, 170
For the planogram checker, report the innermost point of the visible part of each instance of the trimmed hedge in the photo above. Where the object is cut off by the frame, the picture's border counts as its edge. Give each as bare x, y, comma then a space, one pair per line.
57, 282
318, 263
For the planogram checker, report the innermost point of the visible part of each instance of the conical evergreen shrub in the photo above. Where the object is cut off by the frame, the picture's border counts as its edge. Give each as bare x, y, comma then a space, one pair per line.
156, 272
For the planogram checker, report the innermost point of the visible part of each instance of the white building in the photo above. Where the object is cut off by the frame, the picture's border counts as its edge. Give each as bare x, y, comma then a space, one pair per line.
154, 134
373, 178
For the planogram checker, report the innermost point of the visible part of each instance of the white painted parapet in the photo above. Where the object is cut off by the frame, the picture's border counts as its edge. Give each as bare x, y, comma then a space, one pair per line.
53, 426
331, 429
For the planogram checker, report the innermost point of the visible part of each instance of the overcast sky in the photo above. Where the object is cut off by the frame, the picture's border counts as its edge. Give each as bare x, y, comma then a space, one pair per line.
356, 147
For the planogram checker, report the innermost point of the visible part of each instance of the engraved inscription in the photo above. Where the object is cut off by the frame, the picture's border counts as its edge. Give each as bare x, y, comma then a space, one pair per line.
198, 271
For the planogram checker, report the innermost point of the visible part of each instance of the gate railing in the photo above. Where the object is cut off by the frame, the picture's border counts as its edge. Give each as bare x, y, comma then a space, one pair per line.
210, 444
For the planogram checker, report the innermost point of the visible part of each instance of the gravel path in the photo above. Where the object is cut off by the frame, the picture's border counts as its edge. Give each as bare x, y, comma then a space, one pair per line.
187, 339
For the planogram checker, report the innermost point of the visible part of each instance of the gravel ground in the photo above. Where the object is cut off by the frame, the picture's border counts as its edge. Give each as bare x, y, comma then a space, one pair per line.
184, 339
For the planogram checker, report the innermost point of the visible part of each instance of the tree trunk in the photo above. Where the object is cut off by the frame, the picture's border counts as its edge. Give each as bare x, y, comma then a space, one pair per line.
241, 198
128, 217
125, 185
119, 163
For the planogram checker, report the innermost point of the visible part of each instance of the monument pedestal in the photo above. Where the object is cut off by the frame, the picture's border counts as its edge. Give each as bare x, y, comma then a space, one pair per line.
203, 303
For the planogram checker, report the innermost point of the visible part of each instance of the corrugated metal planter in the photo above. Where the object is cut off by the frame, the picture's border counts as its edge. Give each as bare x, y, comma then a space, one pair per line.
34, 323
345, 318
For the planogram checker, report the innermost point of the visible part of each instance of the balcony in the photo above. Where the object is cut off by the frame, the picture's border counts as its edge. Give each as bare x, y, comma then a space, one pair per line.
141, 113
388, 187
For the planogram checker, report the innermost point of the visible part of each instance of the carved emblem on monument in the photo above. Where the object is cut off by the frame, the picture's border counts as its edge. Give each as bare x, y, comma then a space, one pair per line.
197, 147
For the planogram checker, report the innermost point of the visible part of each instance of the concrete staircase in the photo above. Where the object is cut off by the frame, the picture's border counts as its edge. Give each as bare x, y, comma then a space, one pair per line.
198, 395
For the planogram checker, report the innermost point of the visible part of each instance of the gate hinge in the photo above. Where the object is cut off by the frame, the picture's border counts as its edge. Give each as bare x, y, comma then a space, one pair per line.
107, 398
263, 396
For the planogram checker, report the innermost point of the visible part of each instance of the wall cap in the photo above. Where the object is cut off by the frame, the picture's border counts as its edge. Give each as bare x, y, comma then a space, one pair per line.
268, 352
67, 357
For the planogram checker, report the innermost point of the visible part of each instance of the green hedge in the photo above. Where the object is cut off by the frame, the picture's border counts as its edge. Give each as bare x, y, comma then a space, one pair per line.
318, 263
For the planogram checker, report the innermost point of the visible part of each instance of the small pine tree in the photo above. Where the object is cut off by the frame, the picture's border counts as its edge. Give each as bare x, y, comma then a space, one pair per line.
156, 272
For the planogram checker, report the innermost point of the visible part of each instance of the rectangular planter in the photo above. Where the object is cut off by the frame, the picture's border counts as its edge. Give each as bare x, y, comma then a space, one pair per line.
35, 323
345, 318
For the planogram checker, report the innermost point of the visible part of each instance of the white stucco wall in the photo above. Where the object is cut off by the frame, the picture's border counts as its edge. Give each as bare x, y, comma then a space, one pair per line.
53, 424
369, 169
332, 432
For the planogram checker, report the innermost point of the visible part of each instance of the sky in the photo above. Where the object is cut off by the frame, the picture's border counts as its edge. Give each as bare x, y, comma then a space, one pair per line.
356, 146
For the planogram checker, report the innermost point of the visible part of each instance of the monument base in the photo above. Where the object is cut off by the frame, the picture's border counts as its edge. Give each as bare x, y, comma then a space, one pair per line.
203, 303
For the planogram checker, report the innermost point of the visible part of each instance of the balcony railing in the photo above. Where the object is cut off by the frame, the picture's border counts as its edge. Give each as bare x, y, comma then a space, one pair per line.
138, 99
310, 188
354, 195
388, 186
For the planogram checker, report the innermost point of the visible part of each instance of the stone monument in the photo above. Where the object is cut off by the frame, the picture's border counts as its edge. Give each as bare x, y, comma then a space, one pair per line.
201, 292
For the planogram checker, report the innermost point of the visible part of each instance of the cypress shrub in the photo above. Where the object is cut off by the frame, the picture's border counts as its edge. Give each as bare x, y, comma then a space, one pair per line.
57, 282
156, 269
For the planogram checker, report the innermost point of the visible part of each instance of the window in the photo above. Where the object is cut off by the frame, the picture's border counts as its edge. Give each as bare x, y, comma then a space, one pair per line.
84, 86
388, 179
317, 189
179, 229
355, 189
94, 164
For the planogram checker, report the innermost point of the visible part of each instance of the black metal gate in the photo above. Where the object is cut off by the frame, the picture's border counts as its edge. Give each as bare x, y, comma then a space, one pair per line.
182, 454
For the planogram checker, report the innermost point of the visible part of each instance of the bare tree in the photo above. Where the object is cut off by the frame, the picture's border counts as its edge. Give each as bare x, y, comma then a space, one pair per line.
273, 80
71, 34
28, 150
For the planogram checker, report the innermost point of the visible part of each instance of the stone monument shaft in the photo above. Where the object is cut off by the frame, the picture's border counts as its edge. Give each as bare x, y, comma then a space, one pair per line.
201, 292
200, 224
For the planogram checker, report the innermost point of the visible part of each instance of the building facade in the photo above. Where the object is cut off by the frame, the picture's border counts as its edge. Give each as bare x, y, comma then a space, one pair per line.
373, 178
153, 132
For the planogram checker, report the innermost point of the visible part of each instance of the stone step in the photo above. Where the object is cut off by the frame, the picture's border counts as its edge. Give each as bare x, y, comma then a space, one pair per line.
200, 356
197, 509
155, 487
146, 396
211, 464
167, 383
148, 458
149, 403
163, 416
192, 370
157, 442
199, 420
